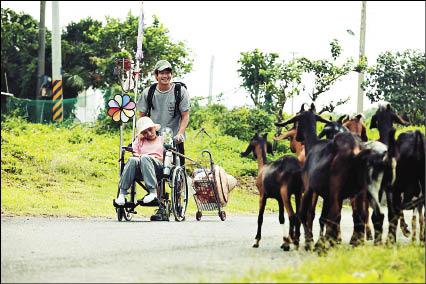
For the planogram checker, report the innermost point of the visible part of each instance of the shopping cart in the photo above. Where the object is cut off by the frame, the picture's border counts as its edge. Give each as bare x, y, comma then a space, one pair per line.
211, 188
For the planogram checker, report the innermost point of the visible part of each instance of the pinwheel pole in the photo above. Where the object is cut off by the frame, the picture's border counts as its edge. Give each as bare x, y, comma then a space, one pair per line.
139, 56
121, 109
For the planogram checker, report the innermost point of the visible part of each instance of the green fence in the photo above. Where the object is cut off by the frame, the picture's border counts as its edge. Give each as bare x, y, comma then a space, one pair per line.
38, 111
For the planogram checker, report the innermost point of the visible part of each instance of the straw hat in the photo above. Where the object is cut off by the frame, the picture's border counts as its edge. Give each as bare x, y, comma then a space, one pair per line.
144, 123
225, 183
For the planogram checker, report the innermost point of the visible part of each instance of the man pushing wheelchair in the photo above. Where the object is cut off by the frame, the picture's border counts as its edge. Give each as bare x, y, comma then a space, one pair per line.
167, 103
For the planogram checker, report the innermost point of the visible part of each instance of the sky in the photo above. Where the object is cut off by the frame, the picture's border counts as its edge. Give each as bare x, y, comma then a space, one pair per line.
225, 29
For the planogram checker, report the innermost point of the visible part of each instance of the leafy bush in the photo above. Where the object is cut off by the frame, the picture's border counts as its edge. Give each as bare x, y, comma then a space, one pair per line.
200, 116
243, 122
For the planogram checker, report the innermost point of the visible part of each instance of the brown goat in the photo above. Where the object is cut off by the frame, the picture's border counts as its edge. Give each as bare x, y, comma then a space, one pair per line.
279, 180
295, 146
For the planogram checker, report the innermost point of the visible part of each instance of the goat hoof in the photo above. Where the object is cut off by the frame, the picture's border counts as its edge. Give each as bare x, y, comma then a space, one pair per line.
256, 245
390, 240
378, 242
285, 247
405, 231
309, 246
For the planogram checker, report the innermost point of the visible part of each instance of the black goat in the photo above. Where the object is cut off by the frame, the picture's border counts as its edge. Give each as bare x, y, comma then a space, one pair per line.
383, 120
409, 186
334, 170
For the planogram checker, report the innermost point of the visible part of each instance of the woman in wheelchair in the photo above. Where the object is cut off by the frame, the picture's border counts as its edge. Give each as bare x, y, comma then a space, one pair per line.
146, 164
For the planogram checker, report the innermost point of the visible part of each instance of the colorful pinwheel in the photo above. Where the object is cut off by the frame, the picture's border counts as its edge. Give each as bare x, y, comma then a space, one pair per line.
121, 108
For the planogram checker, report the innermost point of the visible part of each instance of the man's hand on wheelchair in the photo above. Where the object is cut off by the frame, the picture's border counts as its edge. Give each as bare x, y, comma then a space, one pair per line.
179, 138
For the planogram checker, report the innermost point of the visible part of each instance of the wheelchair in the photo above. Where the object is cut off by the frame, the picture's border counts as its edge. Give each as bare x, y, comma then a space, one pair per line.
172, 190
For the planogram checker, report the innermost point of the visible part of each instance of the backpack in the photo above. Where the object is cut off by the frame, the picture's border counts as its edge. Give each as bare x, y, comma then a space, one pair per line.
178, 96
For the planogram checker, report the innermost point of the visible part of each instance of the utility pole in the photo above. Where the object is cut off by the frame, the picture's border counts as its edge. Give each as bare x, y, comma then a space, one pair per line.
361, 56
41, 55
57, 109
211, 81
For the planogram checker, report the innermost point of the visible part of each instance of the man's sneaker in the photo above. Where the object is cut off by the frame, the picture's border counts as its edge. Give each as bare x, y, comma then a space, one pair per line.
120, 200
160, 215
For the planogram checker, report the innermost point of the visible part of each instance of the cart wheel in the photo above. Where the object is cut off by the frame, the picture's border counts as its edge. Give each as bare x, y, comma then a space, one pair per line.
198, 215
120, 213
222, 215
179, 200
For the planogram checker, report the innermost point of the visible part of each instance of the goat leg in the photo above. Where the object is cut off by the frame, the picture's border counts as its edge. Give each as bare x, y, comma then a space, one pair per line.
262, 204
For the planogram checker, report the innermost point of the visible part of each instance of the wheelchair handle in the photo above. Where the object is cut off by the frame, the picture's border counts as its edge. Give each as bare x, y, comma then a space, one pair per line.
127, 148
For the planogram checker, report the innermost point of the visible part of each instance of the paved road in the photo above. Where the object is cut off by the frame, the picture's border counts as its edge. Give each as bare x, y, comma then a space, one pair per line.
36, 249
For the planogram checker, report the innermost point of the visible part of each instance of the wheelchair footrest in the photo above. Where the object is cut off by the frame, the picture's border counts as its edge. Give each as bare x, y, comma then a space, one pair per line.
153, 203
126, 205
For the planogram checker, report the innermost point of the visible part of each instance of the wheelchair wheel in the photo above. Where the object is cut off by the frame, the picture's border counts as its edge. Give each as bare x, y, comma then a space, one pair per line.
127, 215
120, 213
179, 194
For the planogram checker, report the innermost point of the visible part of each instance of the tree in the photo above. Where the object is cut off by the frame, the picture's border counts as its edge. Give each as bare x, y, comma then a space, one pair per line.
286, 84
92, 50
19, 47
258, 70
327, 72
399, 78
89, 50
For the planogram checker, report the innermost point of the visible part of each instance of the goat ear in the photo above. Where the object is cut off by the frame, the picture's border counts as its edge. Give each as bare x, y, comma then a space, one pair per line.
269, 148
320, 119
373, 123
302, 108
247, 151
340, 119
265, 135
313, 109
359, 116
291, 120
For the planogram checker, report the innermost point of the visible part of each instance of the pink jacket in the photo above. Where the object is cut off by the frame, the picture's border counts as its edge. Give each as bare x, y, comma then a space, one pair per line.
154, 148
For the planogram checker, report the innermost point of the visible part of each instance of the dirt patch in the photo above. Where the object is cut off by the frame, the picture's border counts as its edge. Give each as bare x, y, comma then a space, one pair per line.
248, 184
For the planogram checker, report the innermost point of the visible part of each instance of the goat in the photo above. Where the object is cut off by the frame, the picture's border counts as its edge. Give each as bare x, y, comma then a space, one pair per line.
295, 146
383, 120
356, 125
279, 180
334, 170
409, 183
332, 128
380, 173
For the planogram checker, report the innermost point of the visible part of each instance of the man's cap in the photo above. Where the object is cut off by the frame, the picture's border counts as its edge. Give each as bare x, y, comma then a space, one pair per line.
162, 65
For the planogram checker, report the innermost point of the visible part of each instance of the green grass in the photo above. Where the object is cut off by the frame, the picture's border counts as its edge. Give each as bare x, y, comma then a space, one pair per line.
365, 264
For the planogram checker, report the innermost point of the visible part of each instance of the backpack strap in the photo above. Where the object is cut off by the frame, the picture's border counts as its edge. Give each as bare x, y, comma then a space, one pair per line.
178, 96
151, 92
